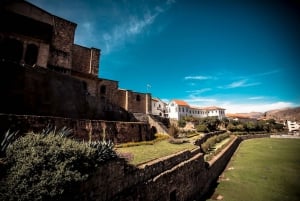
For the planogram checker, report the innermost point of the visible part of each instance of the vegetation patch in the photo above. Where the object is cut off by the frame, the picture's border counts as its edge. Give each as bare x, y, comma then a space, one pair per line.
264, 169
142, 154
158, 137
49, 166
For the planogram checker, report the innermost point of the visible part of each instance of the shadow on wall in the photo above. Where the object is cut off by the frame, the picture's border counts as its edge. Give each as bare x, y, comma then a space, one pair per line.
40, 91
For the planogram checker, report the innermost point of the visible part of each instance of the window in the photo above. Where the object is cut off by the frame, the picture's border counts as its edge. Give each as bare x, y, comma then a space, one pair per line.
138, 98
84, 86
173, 196
31, 54
102, 89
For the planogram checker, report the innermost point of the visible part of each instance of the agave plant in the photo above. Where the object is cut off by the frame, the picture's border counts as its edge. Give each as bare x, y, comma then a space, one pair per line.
104, 150
9, 137
63, 132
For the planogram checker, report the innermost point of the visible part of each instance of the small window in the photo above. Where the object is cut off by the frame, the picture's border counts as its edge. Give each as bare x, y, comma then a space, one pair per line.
173, 196
138, 98
103, 89
84, 86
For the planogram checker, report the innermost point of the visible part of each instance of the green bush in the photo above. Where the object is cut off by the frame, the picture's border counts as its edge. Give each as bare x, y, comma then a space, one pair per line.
202, 128
49, 166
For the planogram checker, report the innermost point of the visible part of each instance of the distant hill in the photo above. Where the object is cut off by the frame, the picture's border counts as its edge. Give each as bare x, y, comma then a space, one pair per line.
250, 115
292, 114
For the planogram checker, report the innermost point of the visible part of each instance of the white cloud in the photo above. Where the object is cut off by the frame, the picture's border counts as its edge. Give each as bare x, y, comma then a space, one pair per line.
267, 73
124, 31
198, 101
240, 83
256, 98
198, 77
135, 25
199, 91
238, 107
255, 107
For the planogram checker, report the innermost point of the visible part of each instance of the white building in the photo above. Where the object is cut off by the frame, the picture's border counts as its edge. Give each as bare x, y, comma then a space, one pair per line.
159, 107
293, 126
178, 109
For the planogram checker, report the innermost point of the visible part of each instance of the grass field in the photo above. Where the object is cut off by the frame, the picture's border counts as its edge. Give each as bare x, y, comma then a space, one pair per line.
145, 153
262, 169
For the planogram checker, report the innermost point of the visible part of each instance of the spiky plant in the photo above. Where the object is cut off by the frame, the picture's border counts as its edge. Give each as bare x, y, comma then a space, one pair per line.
9, 137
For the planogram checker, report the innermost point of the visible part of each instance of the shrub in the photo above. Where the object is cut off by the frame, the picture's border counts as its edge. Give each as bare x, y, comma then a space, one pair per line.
202, 128
49, 166
181, 123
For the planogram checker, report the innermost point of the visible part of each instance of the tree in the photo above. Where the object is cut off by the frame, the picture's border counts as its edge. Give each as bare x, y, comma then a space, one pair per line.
211, 123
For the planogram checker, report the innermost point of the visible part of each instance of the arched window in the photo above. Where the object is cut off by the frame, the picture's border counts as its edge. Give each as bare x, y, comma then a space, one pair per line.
31, 54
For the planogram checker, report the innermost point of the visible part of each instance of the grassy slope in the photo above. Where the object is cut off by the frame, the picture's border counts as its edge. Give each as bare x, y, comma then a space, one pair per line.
149, 152
264, 169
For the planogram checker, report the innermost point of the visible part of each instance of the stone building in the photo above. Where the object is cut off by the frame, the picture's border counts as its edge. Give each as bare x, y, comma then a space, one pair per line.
58, 75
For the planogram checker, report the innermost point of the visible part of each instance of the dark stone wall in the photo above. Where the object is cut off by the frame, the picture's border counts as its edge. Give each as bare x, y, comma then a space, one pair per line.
82, 129
62, 43
85, 60
39, 91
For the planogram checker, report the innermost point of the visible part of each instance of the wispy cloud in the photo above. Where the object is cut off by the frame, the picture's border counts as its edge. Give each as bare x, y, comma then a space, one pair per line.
198, 91
198, 77
199, 100
122, 32
267, 73
133, 26
256, 98
240, 83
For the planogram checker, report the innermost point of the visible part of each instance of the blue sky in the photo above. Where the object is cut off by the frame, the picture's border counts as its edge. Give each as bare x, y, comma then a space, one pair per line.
238, 54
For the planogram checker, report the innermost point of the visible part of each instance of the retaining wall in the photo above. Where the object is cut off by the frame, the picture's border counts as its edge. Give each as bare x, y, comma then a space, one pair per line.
83, 129
182, 176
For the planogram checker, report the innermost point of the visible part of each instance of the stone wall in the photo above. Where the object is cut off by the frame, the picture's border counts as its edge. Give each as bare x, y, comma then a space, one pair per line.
39, 91
118, 132
62, 43
85, 60
182, 176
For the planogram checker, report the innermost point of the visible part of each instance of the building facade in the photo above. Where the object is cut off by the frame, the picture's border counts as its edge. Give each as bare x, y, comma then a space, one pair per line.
178, 109
38, 40
159, 107
293, 126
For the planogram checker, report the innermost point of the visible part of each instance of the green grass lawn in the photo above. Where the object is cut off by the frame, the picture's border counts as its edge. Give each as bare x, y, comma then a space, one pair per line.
159, 149
263, 169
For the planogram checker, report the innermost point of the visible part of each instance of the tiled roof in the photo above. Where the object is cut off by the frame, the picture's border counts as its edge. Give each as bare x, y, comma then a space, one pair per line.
181, 102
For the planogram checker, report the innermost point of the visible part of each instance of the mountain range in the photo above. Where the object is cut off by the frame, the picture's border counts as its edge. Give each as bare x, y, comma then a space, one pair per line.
292, 114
